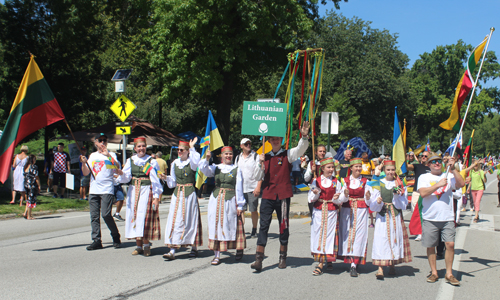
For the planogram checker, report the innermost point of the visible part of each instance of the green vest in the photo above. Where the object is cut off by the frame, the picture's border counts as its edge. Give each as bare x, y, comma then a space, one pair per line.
184, 176
387, 195
226, 181
137, 172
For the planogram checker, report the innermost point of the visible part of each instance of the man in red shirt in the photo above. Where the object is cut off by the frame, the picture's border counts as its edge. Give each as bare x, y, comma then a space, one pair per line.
274, 169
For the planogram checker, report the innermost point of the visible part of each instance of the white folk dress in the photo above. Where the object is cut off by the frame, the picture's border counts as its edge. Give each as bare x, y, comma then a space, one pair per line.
184, 214
19, 174
222, 220
353, 229
135, 226
390, 239
324, 239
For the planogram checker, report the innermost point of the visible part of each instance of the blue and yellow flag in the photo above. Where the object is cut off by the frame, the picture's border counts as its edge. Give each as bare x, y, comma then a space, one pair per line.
398, 149
215, 143
303, 187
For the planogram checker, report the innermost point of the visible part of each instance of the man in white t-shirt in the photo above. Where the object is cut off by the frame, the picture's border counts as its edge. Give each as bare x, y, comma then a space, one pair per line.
246, 162
104, 165
438, 217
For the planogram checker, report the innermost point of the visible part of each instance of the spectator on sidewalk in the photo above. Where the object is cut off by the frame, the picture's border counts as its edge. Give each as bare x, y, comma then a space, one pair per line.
103, 166
246, 162
162, 164
49, 157
345, 163
59, 167
438, 216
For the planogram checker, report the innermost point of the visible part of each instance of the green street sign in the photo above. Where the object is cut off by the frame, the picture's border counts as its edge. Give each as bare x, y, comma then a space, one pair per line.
264, 118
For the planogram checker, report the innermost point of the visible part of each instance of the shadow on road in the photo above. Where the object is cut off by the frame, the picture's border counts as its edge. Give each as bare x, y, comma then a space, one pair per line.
61, 248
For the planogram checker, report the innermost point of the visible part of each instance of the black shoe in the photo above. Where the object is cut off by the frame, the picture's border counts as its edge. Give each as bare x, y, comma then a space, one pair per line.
117, 244
254, 233
354, 273
118, 218
96, 244
439, 255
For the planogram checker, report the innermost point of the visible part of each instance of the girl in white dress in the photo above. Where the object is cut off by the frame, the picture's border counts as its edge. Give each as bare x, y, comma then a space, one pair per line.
324, 196
18, 164
225, 207
390, 239
143, 197
184, 221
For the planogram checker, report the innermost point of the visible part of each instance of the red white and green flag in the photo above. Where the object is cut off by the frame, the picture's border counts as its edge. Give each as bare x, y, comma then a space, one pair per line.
468, 151
463, 88
35, 107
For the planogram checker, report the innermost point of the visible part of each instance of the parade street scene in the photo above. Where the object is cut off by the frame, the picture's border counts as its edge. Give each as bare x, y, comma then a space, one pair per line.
244, 149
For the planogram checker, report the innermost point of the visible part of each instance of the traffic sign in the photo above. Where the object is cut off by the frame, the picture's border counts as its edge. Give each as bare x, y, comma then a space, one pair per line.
123, 107
264, 118
124, 130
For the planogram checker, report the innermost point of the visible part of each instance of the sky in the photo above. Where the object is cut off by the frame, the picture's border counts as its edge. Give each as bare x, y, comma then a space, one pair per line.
423, 25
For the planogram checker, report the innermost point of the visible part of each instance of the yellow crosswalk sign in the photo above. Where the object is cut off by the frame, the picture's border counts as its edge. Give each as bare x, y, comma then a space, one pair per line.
123, 107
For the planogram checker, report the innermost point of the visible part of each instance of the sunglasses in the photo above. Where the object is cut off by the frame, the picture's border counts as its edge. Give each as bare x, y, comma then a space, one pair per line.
424, 156
102, 140
181, 150
436, 161
247, 144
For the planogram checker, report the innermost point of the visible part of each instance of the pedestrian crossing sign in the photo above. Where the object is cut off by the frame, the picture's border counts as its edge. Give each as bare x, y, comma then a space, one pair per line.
125, 130
123, 107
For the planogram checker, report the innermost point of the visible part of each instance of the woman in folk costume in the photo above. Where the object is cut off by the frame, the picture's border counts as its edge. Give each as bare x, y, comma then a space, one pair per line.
143, 198
225, 207
353, 229
184, 220
324, 196
390, 240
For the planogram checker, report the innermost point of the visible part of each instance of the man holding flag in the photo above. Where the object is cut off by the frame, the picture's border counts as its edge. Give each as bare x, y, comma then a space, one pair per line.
436, 189
274, 169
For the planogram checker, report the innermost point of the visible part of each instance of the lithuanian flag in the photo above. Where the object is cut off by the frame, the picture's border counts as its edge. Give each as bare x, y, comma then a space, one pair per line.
463, 89
35, 107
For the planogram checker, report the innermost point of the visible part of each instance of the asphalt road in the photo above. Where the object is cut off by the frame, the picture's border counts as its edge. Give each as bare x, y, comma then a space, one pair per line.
46, 259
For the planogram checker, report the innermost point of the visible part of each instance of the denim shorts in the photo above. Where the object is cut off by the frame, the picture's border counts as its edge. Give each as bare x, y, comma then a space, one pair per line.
119, 196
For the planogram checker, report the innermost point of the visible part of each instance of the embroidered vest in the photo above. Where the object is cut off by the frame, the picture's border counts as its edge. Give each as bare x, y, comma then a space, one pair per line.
276, 184
387, 196
356, 193
184, 176
326, 194
226, 181
137, 172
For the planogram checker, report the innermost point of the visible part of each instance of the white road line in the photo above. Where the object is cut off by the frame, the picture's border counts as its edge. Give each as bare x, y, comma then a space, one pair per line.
447, 290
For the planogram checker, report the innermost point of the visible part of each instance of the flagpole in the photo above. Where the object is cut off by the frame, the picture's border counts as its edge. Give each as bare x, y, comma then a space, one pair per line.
472, 94
78, 146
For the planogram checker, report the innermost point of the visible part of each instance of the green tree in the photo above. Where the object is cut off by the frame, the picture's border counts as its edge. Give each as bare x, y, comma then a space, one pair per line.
201, 48
365, 74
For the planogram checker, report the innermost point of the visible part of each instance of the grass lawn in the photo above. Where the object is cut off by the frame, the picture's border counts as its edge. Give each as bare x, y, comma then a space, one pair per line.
44, 203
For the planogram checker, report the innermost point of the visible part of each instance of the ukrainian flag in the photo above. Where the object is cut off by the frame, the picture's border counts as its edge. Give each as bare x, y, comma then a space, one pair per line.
398, 150
215, 143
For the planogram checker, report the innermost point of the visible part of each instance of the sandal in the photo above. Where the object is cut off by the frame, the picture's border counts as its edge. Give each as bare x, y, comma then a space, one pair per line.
475, 220
215, 261
193, 254
379, 275
25, 216
318, 271
169, 256
239, 255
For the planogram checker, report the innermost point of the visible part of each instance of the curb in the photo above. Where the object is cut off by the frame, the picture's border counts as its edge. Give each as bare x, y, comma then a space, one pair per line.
40, 213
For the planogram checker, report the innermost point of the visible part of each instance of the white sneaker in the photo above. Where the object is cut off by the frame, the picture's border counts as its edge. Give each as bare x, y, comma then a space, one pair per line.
418, 238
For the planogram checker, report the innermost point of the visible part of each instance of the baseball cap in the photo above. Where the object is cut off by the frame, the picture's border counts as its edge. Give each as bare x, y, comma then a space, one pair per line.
382, 156
100, 135
245, 140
